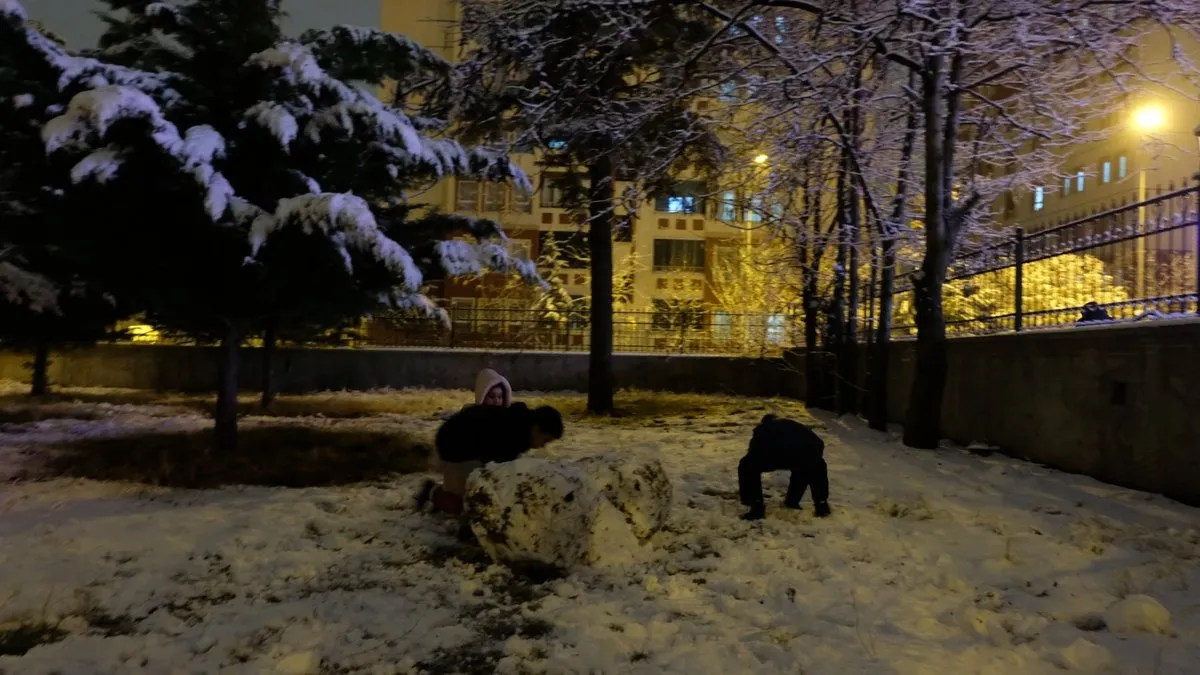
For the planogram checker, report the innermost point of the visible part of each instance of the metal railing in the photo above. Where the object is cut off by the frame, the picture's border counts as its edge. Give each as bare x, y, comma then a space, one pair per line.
688, 331
1134, 261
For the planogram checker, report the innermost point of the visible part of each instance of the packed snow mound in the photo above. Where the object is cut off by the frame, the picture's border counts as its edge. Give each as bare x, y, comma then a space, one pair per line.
1087, 656
546, 515
1138, 614
638, 487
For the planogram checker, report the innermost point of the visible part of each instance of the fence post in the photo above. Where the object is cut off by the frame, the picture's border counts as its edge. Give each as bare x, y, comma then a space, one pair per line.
1196, 255
1018, 286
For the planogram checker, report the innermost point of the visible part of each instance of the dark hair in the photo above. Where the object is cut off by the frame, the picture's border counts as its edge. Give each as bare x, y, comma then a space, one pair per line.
549, 421
769, 417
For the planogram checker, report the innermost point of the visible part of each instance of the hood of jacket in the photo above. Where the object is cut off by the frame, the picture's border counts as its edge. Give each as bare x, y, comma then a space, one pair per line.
488, 378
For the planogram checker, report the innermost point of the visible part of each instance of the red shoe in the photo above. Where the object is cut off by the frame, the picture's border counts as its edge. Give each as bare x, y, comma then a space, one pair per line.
446, 502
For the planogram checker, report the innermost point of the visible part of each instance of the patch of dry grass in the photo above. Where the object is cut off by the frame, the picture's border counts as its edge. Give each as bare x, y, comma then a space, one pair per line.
633, 406
288, 456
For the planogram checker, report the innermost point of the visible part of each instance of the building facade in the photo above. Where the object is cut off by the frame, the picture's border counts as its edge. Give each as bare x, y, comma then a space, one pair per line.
666, 252
1150, 148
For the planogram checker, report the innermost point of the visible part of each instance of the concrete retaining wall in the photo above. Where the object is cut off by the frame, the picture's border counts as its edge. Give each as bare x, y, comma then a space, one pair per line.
189, 369
1120, 404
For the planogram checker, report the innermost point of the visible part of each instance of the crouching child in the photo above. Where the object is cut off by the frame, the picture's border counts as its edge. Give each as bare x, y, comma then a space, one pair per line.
784, 445
481, 434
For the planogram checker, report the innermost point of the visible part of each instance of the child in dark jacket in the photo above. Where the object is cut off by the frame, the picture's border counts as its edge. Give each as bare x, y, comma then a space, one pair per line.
784, 445
481, 434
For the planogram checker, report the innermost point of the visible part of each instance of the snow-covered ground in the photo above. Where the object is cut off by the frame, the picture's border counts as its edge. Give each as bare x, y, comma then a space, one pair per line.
933, 562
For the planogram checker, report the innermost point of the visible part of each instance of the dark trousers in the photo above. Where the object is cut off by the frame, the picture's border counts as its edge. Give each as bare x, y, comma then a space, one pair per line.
807, 473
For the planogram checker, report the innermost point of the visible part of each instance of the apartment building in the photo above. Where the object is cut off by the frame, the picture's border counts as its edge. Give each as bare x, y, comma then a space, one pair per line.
668, 247
1151, 147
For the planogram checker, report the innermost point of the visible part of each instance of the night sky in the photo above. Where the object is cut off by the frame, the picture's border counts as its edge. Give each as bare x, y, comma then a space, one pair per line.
75, 21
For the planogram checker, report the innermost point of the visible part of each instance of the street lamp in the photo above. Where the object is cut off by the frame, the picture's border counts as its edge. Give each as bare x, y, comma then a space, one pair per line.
1196, 133
761, 159
1147, 119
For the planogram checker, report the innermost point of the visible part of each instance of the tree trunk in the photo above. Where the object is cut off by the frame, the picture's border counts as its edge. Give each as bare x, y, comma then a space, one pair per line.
268, 364
601, 194
226, 416
835, 318
923, 419
877, 410
923, 423
849, 384
880, 363
40, 382
813, 389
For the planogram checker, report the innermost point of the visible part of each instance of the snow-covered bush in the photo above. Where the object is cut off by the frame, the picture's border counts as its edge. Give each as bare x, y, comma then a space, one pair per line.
538, 514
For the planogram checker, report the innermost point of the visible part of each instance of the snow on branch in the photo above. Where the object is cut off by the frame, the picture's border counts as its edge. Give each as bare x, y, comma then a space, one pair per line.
21, 287
91, 116
346, 220
73, 73
326, 109
356, 53
464, 258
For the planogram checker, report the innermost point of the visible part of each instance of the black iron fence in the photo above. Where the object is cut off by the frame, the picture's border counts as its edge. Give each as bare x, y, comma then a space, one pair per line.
1133, 261
489, 324
1137, 260
692, 330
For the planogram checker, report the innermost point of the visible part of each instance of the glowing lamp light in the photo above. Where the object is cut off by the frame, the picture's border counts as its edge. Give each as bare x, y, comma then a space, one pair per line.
1149, 118
761, 159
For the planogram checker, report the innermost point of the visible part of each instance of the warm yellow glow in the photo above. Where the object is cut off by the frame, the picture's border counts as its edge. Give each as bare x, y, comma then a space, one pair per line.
761, 159
141, 333
1149, 118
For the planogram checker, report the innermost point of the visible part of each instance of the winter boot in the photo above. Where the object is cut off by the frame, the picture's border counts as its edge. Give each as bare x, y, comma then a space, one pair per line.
425, 494
756, 512
792, 505
821, 509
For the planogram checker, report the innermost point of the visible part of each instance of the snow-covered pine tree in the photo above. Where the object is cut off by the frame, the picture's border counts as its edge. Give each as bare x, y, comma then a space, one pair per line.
606, 91
46, 302
225, 193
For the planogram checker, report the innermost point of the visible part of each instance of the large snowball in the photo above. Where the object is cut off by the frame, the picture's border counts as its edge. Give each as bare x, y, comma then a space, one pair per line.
638, 487
1138, 614
1086, 656
546, 515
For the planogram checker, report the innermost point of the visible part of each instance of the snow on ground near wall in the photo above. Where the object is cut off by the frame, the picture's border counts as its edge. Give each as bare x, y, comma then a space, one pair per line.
933, 562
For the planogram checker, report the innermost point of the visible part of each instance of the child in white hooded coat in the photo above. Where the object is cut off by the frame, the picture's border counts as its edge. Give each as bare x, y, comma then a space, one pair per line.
491, 389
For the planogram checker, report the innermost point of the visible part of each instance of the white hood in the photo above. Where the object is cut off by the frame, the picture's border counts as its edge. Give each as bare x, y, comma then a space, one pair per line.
488, 378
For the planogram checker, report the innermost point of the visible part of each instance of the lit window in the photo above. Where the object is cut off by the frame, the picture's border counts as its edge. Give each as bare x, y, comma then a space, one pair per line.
1066, 187
1106, 171
685, 204
780, 29
556, 144
728, 212
754, 213
728, 92
1080, 177
1039, 198
683, 199
723, 325
1122, 167
776, 328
